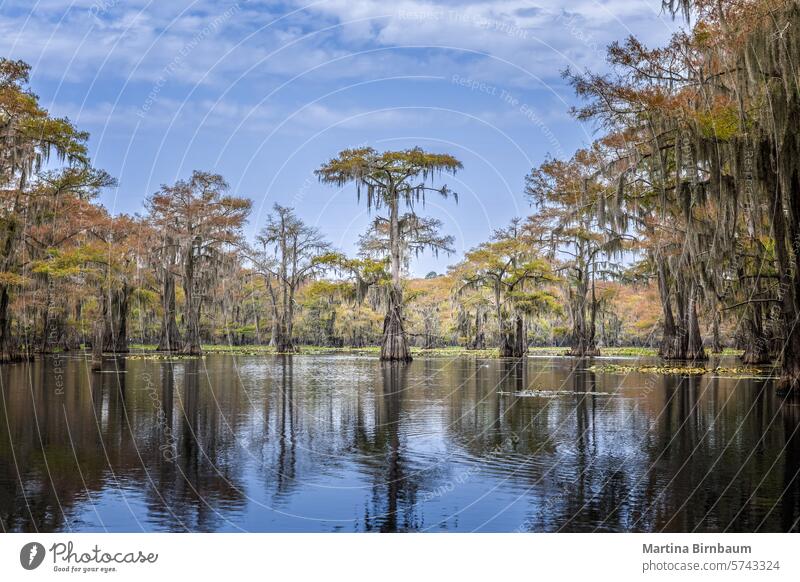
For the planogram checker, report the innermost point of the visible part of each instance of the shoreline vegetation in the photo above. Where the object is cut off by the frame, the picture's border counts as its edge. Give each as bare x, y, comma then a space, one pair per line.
688, 368
447, 351
679, 226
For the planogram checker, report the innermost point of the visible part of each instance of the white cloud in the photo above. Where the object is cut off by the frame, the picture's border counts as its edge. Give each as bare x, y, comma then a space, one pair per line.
137, 39
180, 56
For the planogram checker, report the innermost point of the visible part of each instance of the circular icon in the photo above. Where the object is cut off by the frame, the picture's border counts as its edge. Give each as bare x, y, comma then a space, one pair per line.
31, 555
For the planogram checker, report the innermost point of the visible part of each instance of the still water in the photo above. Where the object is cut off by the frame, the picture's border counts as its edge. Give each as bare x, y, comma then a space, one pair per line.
341, 443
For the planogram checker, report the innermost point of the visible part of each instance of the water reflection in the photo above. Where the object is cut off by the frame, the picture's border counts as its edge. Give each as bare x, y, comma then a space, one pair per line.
335, 443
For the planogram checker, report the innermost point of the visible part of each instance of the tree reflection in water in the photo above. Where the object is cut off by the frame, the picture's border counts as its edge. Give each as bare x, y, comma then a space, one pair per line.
392, 506
329, 443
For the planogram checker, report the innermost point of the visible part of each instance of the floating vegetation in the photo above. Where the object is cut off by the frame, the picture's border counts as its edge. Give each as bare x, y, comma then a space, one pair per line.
254, 350
629, 351
665, 370
737, 371
165, 357
538, 393
673, 370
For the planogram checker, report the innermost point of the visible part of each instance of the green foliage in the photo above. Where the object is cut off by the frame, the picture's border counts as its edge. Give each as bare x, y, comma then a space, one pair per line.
388, 175
536, 302
61, 263
720, 123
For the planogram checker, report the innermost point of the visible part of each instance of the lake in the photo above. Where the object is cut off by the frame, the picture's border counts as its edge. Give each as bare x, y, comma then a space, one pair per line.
345, 443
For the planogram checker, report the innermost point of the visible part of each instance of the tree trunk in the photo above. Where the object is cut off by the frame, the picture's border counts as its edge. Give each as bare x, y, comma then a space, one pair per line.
115, 309
583, 349
49, 331
506, 345
520, 339
789, 280
8, 351
694, 340
193, 306
273, 333
583, 333
756, 345
122, 321
97, 347
513, 343
283, 340
684, 341
480, 336
192, 345
667, 349
72, 337
330, 329
592, 332
394, 345
273, 336
716, 346
170, 338
790, 365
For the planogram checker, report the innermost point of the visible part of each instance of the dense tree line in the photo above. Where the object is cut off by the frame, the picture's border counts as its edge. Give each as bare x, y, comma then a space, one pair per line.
699, 164
679, 227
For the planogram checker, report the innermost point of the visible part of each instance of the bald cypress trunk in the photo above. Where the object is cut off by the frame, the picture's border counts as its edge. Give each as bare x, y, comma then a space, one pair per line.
9, 349
394, 345
274, 325
520, 339
115, 308
6, 347
170, 338
273, 338
668, 338
194, 302
756, 347
790, 366
97, 347
789, 281
121, 345
716, 340
513, 343
790, 371
480, 336
681, 340
283, 337
694, 340
583, 331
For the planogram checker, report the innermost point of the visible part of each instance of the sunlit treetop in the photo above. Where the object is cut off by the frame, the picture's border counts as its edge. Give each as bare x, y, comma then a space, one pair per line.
199, 206
28, 134
390, 176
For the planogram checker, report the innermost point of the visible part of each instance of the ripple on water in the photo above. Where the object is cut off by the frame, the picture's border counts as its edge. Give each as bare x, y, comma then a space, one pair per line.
315, 443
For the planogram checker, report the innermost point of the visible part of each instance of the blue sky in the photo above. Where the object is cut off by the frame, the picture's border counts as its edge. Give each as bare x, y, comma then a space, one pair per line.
264, 92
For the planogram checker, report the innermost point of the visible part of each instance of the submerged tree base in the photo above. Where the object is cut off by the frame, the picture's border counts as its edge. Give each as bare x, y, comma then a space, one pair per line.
12, 357
756, 354
677, 348
285, 346
789, 386
584, 352
394, 346
789, 382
